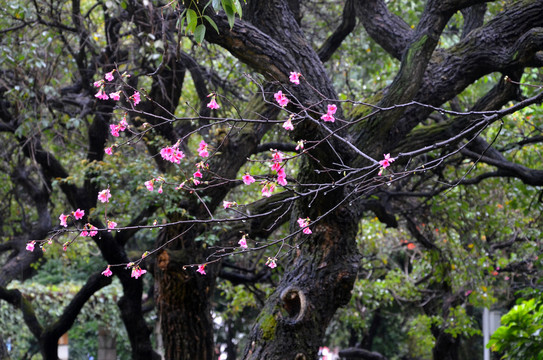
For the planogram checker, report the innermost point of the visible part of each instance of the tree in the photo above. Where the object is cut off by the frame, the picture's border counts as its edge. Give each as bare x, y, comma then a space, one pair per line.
346, 159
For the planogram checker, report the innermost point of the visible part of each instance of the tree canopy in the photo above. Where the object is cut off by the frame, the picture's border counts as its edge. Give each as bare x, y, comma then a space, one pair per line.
260, 179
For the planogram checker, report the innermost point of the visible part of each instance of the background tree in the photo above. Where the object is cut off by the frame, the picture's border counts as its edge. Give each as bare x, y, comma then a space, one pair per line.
444, 137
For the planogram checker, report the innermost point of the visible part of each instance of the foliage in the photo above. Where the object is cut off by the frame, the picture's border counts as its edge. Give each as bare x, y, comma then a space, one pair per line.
519, 336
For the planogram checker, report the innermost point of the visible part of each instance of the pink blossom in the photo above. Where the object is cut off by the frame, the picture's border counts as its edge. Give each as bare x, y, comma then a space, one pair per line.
107, 272
83, 233
304, 223
177, 156
201, 269
268, 189
114, 130
281, 99
63, 218
98, 83
104, 195
166, 153
299, 145
92, 230
160, 189
287, 125
276, 166
78, 214
196, 182
30, 245
123, 124
271, 263
172, 154
180, 186
109, 150
115, 96
277, 156
387, 161
202, 149
109, 75
149, 184
282, 180
328, 117
213, 104
332, 109
137, 272
295, 78
243, 242
136, 98
197, 174
101, 95
228, 204
111, 225
248, 179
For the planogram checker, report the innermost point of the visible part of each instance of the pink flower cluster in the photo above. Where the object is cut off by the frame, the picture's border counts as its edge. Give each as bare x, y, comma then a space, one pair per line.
198, 174
137, 272
304, 223
89, 230
101, 94
329, 116
136, 98
295, 78
115, 128
281, 99
172, 154
279, 168
268, 189
202, 149
150, 184
116, 96
78, 215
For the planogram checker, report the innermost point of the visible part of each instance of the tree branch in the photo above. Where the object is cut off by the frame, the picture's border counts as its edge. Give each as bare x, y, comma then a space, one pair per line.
348, 23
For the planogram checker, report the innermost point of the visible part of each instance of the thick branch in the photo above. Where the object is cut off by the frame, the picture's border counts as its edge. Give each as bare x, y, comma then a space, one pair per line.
348, 23
355, 353
386, 28
15, 298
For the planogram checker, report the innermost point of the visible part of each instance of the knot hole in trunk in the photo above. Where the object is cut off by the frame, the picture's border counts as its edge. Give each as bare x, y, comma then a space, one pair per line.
294, 303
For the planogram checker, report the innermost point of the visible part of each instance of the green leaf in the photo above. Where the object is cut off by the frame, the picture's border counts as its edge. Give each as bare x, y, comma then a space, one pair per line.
237, 6
192, 20
212, 23
230, 12
199, 33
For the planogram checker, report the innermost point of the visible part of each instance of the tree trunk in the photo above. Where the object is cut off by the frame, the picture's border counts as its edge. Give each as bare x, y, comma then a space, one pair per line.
183, 300
319, 279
